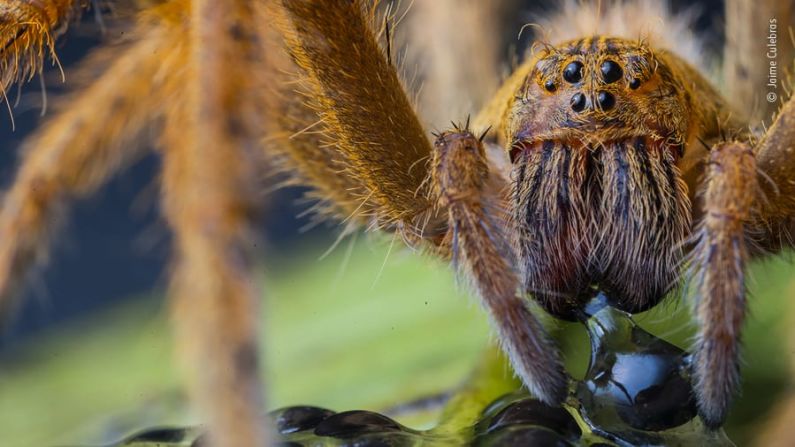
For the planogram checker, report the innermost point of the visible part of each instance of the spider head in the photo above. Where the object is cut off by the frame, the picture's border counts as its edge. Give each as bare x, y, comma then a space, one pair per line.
597, 129
596, 90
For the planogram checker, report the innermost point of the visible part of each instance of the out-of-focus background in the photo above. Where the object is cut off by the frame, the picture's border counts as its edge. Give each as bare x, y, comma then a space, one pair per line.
370, 325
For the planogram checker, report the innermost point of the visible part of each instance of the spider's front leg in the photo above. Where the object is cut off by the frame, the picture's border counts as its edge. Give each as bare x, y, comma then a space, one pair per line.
478, 233
720, 259
380, 145
750, 192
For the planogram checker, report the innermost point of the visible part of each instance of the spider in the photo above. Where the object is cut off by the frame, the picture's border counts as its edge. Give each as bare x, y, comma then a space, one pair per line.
606, 161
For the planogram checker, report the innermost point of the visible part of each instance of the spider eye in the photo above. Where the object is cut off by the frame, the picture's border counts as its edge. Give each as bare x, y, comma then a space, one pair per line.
611, 71
634, 84
573, 72
606, 100
578, 102
550, 86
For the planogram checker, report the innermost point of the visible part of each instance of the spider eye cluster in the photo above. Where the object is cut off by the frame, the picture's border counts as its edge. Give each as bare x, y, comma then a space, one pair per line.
575, 73
585, 80
610, 71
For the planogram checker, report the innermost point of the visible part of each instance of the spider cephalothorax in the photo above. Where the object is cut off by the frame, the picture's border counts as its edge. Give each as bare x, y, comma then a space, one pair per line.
597, 131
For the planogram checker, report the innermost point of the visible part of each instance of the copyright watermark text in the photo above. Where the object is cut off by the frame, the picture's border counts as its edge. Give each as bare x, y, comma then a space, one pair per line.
772, 58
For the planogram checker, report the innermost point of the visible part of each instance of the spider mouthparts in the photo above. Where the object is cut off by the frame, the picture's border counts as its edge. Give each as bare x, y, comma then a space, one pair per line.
566, 189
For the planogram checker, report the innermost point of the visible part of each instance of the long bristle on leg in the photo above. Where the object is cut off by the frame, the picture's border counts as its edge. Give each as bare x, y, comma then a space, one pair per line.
478, 223
71, 156
210, 198
719, 280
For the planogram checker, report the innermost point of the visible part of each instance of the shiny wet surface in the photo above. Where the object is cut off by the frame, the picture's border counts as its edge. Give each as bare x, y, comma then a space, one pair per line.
637, 391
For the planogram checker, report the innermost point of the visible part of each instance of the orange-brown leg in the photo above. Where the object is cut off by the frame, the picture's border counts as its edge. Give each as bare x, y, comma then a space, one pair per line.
749, 210
302, 148
366, 114
480, 241
168, 70
719, 262
368, 121
210, 196
73, 153
775, 156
